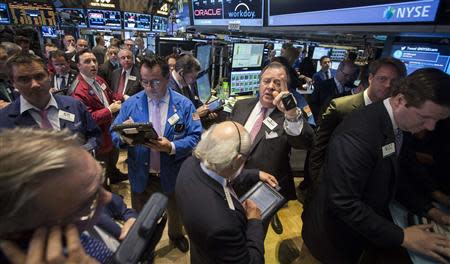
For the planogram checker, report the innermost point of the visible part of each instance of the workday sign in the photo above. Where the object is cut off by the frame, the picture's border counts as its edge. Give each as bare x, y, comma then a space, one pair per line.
250, 9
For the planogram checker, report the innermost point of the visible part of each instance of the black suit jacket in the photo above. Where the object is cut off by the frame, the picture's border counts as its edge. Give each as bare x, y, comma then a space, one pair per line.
133, 86
72, 76
272, 155
350, 209
105, 71
323, 93
217, 234
192, 95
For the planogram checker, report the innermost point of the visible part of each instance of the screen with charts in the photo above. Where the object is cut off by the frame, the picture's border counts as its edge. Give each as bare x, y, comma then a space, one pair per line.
4, 14
421, 55
136, 21
49, 32
159, 24
246, 55
222, 12
204, 88
72, 17
319, 52
244, 82
338, 54
327, 12
31, 13
204, 56
109, 19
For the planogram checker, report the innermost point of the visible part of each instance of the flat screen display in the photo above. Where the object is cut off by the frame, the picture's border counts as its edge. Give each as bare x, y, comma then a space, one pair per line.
49, 32
319, 52
104, 19
72, 17
338, 54
327, 12
222, 12
422, 55
247, 55
244, 82
32, 13
204, 56
204, 88
159, 24
4, 14
136, 21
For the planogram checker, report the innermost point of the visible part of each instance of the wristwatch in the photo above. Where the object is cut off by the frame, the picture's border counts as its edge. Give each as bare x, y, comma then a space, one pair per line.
295, 119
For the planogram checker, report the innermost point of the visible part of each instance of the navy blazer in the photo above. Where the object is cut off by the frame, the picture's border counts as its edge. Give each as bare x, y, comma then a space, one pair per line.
84, 126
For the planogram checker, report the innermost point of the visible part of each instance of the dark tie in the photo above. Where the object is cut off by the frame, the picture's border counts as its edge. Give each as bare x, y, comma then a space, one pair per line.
95, 248
122, 80
327, 75
45, 122
398, 140
258, 123
62, 84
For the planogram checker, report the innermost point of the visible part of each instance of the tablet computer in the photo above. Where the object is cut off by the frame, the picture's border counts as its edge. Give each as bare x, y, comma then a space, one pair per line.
266, 198
215, 105
138, 132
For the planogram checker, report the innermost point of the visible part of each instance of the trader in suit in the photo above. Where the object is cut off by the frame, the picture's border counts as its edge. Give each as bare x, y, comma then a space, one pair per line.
125, 80
220, 228
349, 213
7, 94
141, 50
325, 72
382, 74
37, 107
335, 87
111, 64
99, 50
154, 167
64, 76
93, 92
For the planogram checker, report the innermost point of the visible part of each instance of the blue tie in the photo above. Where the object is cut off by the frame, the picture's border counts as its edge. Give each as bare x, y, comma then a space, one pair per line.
95, 248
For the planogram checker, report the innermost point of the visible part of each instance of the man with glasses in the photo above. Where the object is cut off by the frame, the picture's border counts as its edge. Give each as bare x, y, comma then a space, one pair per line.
63, 76
125, 80
154, 166
335, 87
220, 228
47, 201
37, 107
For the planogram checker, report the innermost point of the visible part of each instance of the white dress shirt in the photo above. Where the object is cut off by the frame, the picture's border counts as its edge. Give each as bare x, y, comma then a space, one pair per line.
52, 114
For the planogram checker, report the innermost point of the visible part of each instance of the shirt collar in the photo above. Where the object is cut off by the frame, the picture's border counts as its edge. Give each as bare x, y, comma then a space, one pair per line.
127, 71
164, 100
268, 111
367, 100
388, 106
90, 81
175, 79
25, 105
221, 180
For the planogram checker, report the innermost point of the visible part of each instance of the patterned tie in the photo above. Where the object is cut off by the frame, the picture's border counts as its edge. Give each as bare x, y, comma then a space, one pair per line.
398, 141
155, 157
121, 86
258, 123
95, 248
45, 123
99, 92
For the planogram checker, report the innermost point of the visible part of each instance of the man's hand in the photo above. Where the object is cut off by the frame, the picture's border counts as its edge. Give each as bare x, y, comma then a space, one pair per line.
268, 178
3, 104
252, 211
212, 116
49, 249
161, 144
203, 110
115, 106
126, 227
292, 113
125, 97
441, 198
438, 216
70, 48
126, 139
418, 238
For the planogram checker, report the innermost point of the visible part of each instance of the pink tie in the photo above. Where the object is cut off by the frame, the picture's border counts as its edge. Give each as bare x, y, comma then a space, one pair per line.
155, 158
45, 123
258, 123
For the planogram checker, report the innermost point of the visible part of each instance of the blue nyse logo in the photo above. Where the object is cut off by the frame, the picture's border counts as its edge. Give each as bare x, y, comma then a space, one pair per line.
407, 12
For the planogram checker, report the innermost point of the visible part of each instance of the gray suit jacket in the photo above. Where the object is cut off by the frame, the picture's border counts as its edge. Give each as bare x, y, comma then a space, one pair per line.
272, 155
132, 87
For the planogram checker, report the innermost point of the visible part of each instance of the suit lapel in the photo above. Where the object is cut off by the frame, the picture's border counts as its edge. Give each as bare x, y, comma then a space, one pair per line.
276, 116
62, 122
246, 110
22, 120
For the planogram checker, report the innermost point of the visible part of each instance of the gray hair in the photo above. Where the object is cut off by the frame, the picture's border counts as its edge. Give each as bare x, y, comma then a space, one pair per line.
25, 166
218, 153
11, 48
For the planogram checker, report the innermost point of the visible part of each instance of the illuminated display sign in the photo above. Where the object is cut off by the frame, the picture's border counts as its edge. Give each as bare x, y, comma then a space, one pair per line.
223, 12
104, 19
135, 21
4, 14
159, 24
27, 13
323, 12
103, 4
69, 17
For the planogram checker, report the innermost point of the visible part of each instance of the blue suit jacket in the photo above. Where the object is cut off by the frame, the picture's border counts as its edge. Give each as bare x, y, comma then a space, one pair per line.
136, 107
320, 75
83, 124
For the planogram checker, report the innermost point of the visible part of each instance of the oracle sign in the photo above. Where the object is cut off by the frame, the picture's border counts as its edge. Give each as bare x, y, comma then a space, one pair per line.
208, 12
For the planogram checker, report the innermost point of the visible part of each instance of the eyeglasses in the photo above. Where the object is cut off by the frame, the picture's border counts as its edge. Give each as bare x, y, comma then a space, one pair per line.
346, 75
152, 83
267, 81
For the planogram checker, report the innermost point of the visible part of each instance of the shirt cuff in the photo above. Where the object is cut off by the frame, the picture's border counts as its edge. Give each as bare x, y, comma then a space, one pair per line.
293, 128
173, 151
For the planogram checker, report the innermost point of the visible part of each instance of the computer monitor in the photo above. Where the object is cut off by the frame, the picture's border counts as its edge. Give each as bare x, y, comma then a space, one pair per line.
72, 17
137, 21
204, 56
338, 54
4, 14
49, 32
319, 52
244, 82
247, 55
204, 88
109, 19
159, 24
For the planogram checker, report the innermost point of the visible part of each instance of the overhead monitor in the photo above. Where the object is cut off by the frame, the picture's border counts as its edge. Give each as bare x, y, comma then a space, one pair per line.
243, 82
49, 32
325, 12
204, 56
159, 24
4, 14
108, 19
204, 88
136, 21
422, 55
319, 52
222, 12
338, 54
72, 17
32, 13
247, 55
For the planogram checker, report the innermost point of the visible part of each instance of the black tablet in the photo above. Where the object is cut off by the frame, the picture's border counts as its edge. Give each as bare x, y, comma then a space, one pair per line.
266, 198
138, 132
